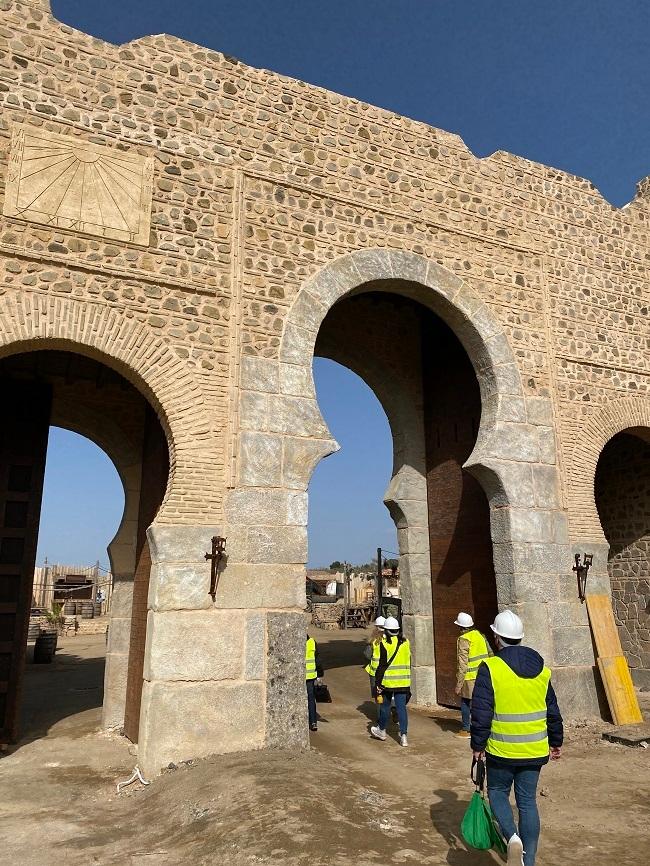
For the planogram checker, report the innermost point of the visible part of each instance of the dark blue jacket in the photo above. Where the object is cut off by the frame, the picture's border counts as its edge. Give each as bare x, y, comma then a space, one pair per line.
526, 663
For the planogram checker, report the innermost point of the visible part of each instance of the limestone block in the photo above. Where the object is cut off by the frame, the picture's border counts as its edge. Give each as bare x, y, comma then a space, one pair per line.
253, 411
547, 450
545, 481
259, 374
184, 720
405, 265
507, 379
539, 411
517, 482
297, 416
261, 585
286, 699
407, 485
307, 311
415, 579
549, 558
299, 459
326, 286
255, 652
442, 280
260, 460
423, 686
536, 587
511, 408
560, 527
530, 525
497, 346
506, 588
257, 505
516, 442
579, 692
419, 631
119, 635
180, 543
214, 652
570, 613
180, 585
297, 381
297, 345
510, 557
122, 597
573, 646
414, 540
408, 513
297, 509
115, 677
267, 544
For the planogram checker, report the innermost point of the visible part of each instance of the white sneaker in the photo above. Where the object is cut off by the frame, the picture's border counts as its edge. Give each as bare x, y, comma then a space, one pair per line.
377, 733
402, 740
515, 851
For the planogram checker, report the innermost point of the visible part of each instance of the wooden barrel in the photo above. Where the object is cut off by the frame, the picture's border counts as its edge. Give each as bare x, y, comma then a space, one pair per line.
69, 608
34, 629
77, 607
87, 610
45, 647
97, 608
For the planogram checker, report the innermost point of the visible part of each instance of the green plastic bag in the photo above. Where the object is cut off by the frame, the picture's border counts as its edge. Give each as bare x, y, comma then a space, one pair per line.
478, 827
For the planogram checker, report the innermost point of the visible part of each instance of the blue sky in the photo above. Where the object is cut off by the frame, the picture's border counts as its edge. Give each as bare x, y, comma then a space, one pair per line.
564, 83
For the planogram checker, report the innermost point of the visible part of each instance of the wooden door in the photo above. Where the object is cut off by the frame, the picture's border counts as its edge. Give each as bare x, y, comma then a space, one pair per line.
155, 472
462, 569
23, 445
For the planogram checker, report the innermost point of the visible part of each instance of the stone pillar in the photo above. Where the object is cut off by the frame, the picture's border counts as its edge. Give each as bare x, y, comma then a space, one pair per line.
121, 554
225, 676
532, 554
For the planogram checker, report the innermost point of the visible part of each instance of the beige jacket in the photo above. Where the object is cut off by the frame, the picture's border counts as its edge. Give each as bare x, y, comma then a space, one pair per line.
466, 686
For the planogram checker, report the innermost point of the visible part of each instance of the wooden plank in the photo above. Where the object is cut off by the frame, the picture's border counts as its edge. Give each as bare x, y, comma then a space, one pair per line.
603, 626
620, 690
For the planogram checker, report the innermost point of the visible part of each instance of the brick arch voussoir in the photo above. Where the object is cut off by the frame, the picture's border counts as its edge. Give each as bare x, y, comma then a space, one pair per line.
615, 417
35, 322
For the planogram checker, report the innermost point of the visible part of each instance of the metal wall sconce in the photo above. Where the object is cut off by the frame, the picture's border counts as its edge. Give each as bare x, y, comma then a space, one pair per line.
581, 570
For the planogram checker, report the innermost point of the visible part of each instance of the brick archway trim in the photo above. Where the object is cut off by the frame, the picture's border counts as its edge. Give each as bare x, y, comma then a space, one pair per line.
619, 415
35, 322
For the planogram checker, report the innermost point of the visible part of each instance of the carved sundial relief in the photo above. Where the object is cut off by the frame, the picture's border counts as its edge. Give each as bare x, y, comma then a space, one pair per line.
67, 183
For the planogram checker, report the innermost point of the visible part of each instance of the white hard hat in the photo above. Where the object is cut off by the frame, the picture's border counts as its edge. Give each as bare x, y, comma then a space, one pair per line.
507, 624
380, 621
464, 620
391, 624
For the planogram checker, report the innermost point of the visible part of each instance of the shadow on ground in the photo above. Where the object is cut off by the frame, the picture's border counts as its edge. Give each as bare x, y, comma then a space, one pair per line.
446, 817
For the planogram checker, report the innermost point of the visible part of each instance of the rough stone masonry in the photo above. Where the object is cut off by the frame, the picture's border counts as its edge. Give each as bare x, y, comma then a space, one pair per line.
190, 222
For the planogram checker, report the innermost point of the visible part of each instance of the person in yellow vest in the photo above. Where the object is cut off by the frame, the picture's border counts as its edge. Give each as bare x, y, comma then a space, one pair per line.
516, 725
313, 672
371, 651
471, 649
393, 680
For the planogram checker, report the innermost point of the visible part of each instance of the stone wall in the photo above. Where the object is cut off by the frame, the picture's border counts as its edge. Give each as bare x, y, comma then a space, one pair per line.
623, 498
268, 201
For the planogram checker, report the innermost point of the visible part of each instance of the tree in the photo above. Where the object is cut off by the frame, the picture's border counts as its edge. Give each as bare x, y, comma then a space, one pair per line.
336, 565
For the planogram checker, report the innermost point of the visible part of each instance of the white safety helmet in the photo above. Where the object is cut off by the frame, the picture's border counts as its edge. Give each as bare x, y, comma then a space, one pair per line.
464, 620
391, 625
507, 624
380, 621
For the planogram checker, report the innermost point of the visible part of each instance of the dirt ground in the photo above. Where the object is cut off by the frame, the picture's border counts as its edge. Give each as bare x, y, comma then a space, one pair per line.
350, 800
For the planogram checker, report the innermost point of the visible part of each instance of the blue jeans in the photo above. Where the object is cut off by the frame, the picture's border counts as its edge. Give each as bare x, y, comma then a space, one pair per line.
402, 715
465, 705
499, 783
311, 701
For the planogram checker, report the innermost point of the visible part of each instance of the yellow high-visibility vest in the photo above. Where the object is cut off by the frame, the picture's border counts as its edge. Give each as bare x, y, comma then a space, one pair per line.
398, 673
371, 667
478, 652
310, 659
519, 723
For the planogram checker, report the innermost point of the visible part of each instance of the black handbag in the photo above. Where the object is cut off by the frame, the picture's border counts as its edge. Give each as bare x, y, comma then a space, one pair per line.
322, 694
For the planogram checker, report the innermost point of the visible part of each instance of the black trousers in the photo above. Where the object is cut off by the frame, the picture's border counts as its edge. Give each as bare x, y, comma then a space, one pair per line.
311, 701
